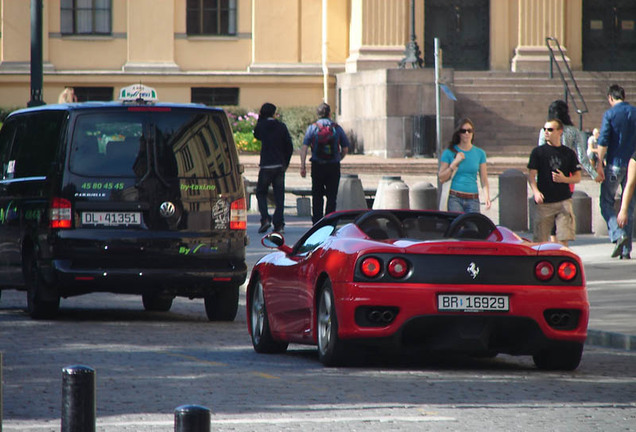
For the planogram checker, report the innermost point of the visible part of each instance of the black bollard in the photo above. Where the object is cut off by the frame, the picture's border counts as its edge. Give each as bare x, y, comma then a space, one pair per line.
191, 418
1, 409
78, 399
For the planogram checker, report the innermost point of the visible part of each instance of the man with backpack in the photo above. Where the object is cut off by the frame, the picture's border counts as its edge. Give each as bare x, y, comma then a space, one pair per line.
329, 145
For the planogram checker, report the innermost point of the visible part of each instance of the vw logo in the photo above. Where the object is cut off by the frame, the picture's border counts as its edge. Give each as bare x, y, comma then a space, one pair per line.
167, 209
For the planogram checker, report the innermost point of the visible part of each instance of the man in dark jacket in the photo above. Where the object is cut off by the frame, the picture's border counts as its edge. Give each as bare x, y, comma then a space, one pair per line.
276, 152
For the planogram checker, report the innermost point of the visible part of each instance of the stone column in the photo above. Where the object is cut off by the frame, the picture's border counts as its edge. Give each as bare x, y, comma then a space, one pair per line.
379, 32
537, 19
149, 50
16, 36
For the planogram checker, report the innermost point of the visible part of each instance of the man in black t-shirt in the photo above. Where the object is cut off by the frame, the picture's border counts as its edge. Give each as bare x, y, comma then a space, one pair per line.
553, 169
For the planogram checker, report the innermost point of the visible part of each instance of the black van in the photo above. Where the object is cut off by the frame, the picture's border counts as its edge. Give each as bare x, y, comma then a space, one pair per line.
124, 197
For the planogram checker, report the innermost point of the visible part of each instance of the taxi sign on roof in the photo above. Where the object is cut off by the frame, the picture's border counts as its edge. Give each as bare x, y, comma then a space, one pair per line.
137, 91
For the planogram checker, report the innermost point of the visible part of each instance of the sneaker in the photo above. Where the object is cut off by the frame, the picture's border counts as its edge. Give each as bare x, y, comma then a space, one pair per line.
626, 256
280, 229
620, 242
264, 227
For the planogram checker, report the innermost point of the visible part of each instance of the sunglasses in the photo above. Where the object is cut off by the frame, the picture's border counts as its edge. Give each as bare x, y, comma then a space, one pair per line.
465, 131
548, 129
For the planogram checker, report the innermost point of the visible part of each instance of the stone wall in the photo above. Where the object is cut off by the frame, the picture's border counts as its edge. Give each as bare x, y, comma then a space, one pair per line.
379, 107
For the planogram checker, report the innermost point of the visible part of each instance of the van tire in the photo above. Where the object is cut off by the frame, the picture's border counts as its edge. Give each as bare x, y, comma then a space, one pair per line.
223, 304
157, 302
35, 286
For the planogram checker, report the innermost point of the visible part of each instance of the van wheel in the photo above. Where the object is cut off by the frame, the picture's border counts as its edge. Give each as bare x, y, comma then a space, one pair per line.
35, 287
157, 302
222, 305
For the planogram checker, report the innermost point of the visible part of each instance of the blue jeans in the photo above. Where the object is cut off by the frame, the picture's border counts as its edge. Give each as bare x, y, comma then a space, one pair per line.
463, 205
615, 176
275, 177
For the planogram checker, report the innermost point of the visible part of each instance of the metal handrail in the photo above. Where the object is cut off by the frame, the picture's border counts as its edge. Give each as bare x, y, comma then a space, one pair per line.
566, 88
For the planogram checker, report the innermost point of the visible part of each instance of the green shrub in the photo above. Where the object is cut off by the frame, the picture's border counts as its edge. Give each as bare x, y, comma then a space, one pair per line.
243, 122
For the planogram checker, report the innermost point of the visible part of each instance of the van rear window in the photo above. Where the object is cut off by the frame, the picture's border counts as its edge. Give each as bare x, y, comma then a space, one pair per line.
176, 143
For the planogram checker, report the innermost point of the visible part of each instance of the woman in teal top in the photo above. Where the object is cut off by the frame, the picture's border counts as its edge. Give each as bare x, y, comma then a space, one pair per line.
466, 161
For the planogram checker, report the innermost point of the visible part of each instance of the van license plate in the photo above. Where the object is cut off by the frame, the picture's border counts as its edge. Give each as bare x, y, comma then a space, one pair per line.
111, 218
473, 303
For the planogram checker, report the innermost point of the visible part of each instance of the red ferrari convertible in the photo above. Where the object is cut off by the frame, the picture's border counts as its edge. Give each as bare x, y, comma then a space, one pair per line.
430, 280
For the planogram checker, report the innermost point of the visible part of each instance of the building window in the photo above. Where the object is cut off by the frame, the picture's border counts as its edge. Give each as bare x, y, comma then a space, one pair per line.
86, 17
211, 17
93, 94
215, 95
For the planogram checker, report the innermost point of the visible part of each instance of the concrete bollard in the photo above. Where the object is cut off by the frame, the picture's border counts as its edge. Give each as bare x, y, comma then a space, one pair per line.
423, 196
303, 206
513, 200
350, 193
78, 399
392, 193
191, 418
582, 206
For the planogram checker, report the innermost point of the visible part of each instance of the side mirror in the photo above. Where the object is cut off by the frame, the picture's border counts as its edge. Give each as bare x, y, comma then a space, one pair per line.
275, 240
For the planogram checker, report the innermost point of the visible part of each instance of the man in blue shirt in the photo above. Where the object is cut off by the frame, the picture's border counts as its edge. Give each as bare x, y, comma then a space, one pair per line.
325, 160
618, 141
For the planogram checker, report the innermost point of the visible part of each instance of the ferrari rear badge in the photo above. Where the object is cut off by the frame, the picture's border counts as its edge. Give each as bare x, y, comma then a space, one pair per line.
473, 270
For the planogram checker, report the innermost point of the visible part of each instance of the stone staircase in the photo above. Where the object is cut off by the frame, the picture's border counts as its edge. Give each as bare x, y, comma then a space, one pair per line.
508, 108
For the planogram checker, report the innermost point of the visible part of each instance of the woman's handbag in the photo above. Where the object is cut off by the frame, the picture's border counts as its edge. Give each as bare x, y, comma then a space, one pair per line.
443, 196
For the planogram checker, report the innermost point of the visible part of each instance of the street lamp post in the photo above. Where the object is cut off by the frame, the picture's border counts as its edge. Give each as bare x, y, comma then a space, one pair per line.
412, 53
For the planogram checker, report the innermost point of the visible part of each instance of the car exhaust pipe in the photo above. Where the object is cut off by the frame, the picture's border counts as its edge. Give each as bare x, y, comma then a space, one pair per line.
375, 316
388, 316
559, 319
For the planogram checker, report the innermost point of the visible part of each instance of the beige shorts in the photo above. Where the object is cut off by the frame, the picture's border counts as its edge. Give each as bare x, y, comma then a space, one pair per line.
547, 214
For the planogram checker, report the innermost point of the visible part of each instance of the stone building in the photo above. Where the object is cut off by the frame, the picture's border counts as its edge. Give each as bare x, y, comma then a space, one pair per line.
299, 52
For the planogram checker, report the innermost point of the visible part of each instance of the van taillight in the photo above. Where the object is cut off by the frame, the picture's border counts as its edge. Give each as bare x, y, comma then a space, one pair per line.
238, 215
60, 213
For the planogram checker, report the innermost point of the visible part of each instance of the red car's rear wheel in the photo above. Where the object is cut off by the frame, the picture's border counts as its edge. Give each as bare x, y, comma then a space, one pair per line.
331, 350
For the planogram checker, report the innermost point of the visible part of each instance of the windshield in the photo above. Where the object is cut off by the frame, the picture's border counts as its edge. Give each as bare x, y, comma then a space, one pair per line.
171, 143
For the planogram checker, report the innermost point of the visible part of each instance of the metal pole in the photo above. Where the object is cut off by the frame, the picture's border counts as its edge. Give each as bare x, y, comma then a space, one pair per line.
325, 69
36, 53
78, 399
438, 115
191, 418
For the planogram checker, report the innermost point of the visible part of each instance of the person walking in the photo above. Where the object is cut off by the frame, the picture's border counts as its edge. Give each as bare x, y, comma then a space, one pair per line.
628, 193
329, 145
552, 168
460, 164
276, 152
571, 137
617, 141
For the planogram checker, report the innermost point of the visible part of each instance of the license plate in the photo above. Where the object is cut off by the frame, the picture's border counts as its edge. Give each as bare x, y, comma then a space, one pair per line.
473, 303
111, 218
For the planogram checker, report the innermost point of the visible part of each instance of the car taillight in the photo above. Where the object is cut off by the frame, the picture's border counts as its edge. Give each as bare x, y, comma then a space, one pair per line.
60, 213
238, 215
544, 270
566, 271
398, 268
370, 267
